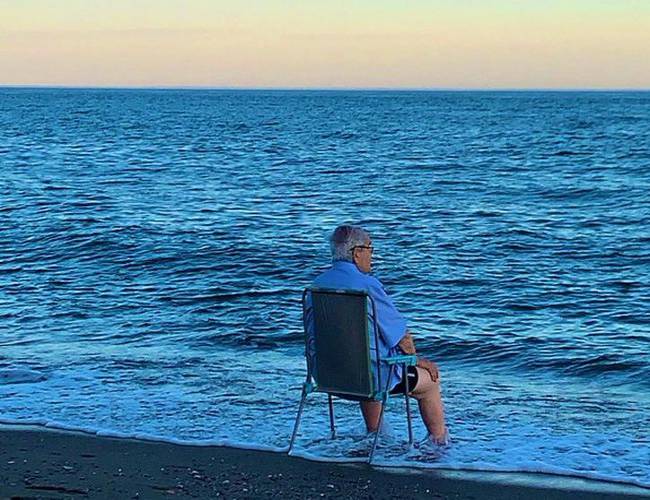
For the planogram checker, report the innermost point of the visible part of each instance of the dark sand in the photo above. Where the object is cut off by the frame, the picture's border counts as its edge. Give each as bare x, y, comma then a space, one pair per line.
43, 464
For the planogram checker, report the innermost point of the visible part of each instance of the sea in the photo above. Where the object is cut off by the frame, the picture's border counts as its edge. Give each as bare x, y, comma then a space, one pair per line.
154, 245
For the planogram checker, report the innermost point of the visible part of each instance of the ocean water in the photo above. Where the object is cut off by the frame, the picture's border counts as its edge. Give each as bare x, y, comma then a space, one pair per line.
154, 245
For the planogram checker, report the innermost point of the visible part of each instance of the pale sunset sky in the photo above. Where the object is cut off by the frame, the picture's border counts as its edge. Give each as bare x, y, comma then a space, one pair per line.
326, 43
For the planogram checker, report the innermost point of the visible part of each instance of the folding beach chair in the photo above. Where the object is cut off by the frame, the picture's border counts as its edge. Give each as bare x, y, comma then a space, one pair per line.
342, 323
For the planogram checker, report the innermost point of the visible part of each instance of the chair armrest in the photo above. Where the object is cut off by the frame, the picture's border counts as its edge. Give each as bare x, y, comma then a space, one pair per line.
309, 387
407, 359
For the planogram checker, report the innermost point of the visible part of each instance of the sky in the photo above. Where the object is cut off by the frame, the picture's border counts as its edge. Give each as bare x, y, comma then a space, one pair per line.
464, 44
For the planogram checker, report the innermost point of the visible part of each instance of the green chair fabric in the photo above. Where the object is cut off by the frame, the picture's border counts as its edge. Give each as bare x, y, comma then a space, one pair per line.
342, 345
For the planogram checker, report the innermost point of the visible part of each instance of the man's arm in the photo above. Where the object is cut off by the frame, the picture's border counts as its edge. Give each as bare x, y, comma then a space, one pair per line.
407, 345
392, 325
429, 366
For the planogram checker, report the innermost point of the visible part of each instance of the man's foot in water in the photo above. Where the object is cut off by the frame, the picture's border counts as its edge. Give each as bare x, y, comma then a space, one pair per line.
435, 442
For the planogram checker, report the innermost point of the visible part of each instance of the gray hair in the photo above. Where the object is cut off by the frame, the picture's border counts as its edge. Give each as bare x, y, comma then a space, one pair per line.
344, 239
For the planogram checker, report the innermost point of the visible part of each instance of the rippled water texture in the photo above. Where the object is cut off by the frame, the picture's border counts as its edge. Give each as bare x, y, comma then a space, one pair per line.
153, 246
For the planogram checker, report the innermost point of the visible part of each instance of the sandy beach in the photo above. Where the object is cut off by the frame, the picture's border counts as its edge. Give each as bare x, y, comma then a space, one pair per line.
47, 464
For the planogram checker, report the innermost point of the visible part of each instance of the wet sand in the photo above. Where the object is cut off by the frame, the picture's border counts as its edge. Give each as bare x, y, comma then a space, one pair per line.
44, 464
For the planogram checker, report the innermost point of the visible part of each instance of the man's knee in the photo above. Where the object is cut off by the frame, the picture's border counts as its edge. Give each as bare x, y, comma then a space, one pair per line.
429, 388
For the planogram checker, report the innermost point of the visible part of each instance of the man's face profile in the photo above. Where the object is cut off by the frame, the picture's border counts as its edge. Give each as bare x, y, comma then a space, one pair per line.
363, 257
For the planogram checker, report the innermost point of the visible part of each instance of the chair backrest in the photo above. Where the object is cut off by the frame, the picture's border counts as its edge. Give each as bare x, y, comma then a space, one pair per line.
339, 323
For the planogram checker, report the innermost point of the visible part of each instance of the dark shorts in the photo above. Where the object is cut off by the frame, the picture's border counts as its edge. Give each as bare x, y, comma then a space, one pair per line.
409, 377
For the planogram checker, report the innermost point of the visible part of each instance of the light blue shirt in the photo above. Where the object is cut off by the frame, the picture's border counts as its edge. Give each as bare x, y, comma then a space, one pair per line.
392, 325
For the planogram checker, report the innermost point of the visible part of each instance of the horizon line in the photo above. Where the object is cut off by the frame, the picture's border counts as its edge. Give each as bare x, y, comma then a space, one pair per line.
320, 89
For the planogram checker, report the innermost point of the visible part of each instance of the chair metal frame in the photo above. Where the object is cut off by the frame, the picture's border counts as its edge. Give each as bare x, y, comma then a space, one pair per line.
377, 393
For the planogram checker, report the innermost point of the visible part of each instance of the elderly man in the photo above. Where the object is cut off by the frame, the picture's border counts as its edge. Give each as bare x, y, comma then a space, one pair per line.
351, 265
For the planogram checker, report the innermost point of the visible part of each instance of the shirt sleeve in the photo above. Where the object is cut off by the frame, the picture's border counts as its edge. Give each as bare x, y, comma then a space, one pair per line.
392, 325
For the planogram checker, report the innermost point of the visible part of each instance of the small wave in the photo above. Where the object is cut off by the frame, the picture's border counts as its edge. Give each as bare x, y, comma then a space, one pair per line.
153, 262
225, 296
255, 341
487, 213
332, 172
566, 152
632, 318
20, 376
625, 285
54, 187
339, 135
595, 365
569, 193
10, 270
160, 364
461, 282
518, 306
539, 353
518, 246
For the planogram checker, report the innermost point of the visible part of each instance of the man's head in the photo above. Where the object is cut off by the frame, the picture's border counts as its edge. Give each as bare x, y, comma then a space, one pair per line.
353, 244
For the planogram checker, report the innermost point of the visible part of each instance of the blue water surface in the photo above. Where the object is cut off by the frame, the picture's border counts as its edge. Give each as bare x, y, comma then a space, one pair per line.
154, 244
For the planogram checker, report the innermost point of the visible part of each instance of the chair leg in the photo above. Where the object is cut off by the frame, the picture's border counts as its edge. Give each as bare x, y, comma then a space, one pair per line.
384, 401
331, 407
298, 417
408, 410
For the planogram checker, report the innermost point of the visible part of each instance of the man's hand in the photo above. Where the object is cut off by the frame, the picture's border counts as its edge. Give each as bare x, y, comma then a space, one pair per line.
406, 344
429, 366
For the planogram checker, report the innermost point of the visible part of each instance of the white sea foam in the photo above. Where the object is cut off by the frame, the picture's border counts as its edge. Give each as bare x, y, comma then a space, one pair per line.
545, 477
498, 423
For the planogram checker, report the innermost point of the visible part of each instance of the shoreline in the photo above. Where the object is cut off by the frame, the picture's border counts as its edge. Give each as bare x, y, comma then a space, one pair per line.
52, 462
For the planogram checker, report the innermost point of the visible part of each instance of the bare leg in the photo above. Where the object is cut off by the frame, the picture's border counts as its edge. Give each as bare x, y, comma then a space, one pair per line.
427, 393
371, 411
